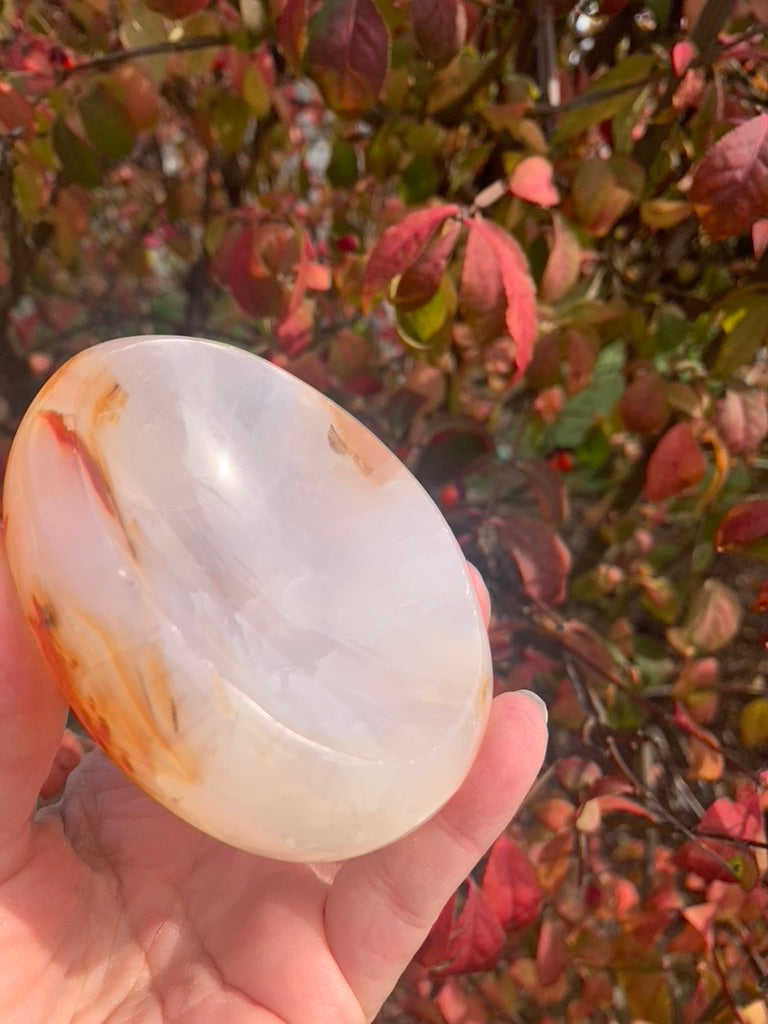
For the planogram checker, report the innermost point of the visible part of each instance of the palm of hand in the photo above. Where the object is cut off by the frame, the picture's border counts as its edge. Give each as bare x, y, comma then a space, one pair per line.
150, 920
112, 911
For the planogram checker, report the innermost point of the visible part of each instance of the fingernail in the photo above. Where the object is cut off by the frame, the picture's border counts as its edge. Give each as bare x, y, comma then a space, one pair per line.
530, 695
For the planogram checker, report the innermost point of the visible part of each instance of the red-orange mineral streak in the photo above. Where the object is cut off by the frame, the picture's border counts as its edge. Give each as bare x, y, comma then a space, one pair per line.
351, 440
93, 470
134, 722
69, 440
109, 404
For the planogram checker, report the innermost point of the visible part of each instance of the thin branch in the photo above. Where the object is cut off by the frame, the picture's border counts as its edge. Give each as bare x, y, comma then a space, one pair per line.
108, 60
587, 99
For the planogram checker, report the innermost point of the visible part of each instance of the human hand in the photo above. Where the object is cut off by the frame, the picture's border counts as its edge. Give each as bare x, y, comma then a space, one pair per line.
112, 910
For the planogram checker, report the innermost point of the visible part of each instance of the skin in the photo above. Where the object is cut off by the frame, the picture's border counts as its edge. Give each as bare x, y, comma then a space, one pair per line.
114, 912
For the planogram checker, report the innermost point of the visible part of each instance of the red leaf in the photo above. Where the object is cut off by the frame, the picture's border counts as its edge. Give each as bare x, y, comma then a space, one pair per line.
760, 237
742, 418
615, 804
676, 463
760, 603
294, 332
541, 557
176, 8
739, 820
240, 265
434, 949
420, 281
470, 942
348, 53
582, 354
440, 27
576, 774
555, 813
742, 525
532, 180
519, 294
734, 819
477, 938
564, 264
552, 955
481, 293
510, 886
644, 407
401, 245
291, 30
730, 186
15, 112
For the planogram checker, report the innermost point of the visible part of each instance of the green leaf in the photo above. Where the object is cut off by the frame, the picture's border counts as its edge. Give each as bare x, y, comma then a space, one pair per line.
255, 92
107, 124
80, 163
424, 327
744, 319
420, 180
606, 98
753, 723
229, 121
342, 167
595, 402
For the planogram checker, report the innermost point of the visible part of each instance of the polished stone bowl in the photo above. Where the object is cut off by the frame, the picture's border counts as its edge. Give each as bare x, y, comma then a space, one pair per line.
252, 606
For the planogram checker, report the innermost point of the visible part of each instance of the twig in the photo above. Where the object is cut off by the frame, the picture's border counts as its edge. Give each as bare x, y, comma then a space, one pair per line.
108, 60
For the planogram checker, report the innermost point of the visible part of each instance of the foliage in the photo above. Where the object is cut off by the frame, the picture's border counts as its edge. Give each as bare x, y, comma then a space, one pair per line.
527, 244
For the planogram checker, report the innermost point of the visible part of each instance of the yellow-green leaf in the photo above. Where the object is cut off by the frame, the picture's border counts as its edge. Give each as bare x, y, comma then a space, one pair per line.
753, 723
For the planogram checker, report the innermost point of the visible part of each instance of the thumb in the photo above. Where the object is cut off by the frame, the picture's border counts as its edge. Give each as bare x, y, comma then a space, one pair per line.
32, 716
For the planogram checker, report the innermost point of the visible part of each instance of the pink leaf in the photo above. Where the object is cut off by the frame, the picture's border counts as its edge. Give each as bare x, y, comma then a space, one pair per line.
564, 264
420, 281
676, 463
401, 245
440, 27
742, 525
742, 418
681, 55
348, 53
701, 918
713, 619
520, 312
730, 186
532, 180
541, 557
510, 886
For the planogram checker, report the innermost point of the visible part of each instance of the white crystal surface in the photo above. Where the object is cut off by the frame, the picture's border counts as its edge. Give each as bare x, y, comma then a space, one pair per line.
252, 605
